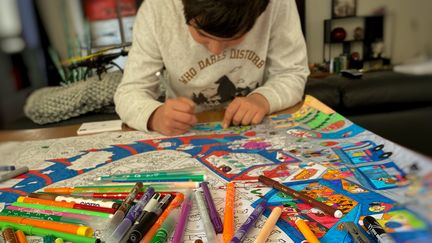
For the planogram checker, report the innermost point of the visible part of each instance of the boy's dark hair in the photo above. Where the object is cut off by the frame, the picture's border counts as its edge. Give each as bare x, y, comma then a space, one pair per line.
223, 18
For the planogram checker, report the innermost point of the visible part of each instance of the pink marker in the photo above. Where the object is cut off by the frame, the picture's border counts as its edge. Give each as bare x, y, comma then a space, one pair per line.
94, 222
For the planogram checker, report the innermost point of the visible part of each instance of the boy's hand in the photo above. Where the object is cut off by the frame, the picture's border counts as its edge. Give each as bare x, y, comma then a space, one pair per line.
246, 110
174, 117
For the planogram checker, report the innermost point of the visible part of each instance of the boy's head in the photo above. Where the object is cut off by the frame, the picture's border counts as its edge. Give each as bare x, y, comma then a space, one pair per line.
223, 18
225, 21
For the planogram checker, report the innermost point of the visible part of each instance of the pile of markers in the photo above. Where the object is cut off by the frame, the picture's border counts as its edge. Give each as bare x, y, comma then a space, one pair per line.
141, 207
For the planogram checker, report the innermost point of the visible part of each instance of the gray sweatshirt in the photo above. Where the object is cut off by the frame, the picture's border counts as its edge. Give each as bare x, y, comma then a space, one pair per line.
271, 61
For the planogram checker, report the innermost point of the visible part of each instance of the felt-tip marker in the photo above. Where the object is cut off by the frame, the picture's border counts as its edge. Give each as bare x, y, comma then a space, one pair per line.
124, 207
74, 199
133, 213
375, 229
147, 220
13, 173
213, 213
7, 167
355, 232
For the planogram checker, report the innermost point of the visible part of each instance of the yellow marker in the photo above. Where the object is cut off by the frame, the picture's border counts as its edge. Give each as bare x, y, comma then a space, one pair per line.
269, 225
59, 240
306, 231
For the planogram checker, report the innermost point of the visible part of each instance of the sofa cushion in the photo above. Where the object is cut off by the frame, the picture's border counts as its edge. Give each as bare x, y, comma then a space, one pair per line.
327, 91
389, 88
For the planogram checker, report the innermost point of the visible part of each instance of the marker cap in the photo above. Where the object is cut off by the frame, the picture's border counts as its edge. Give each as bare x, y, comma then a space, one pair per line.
338, 214
85, 231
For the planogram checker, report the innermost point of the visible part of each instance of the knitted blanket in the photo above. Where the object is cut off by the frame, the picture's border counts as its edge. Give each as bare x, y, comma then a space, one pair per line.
53, 104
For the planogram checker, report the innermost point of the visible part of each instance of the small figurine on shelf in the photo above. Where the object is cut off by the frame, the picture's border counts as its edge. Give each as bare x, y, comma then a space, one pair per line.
377, 49
358, 33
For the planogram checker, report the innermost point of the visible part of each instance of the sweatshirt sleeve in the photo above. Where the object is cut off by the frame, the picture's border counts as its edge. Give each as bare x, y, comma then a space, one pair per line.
135, 98
286, 61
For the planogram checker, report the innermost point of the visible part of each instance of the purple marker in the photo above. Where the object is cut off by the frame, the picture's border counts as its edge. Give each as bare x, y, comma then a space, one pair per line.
250, 221
214, 215
184, 214
131, 216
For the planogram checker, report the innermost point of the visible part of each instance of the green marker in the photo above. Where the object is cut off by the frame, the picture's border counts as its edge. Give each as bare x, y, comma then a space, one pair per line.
134, 178
154, 174
59, 209
41, 216
48, 239
31, 230
167, 227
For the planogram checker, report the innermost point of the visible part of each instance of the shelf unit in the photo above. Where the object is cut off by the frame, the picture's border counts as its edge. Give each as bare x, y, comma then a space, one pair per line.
373, 30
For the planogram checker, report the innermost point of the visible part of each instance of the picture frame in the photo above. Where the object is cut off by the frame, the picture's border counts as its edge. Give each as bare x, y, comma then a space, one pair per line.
344, 8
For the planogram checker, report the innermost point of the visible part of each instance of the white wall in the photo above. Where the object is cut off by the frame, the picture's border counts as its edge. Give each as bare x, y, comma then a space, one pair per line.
408, 27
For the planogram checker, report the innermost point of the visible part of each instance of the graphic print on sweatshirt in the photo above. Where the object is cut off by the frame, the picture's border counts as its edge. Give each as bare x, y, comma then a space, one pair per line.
224, 91
236, 82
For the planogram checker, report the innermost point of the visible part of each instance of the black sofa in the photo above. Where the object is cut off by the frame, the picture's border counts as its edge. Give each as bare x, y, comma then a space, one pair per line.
393, 105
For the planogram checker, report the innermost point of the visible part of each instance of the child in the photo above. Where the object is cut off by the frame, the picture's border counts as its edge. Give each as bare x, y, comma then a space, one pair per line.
246, 55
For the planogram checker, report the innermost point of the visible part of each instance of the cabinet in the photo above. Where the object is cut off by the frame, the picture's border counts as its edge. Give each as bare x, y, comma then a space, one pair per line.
353, 34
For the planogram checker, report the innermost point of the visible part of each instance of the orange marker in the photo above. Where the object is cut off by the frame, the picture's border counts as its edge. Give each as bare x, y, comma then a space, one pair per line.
228, 229
59, 190
65, 204
306, 231
21, 238
175, 203
45, 224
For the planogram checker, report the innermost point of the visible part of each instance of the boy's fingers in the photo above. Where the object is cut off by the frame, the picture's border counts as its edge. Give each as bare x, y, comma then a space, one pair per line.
187, 105
184, 117
247, 118
229, 113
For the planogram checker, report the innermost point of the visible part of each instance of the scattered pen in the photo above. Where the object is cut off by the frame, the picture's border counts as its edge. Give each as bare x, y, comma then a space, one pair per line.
167, 227
147, 221
80, 200
186, 207
375, 229
7, 167
124, 207
228, 225
214, 215
298, 195
133, 213
175, 203
250, 221
14, 173
306, 231
269, 225
355, 232
208, 226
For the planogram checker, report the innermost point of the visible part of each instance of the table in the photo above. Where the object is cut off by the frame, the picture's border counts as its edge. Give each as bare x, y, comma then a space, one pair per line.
69, 131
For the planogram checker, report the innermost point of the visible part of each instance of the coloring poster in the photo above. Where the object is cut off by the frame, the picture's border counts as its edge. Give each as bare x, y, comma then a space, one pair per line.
314, 150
